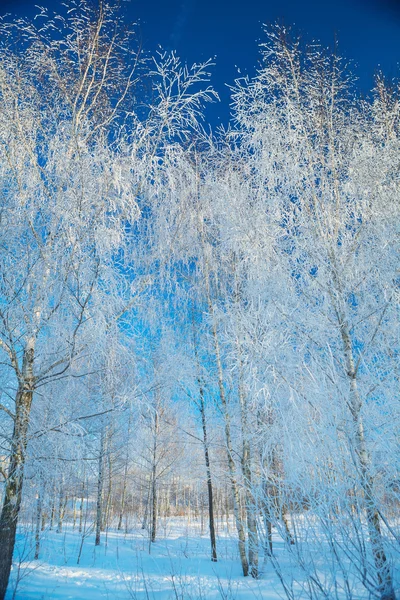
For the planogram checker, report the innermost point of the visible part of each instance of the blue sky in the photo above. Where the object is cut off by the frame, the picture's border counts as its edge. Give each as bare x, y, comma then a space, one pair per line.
368, 32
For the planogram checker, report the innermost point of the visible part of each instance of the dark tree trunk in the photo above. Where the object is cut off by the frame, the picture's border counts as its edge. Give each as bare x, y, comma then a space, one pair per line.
14, 482
81, 505
100, 481
209, 479
52, 513
62, 503
207, 460
108, 512
154, 483
39, 518
146, 508
123, 497
154, 512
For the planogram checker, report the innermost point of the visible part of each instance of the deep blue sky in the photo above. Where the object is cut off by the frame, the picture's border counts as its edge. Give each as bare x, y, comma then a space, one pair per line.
368, 32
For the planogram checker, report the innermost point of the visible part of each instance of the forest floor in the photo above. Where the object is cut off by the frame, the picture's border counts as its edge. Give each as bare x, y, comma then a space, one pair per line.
178, 567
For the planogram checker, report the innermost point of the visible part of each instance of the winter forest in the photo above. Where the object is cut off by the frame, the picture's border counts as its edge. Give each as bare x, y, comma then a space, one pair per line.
199, 329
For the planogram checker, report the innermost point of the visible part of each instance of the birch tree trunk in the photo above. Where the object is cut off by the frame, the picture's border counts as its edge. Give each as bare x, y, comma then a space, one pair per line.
38, 529
154, 507
209, 480
14, 481
228, 437
123, 497
81, 505
100, 484
382, 565
62, 502
44, 516
107, 513
249, 498
146, 508
231, 462
52, 514
125, 481
207, 460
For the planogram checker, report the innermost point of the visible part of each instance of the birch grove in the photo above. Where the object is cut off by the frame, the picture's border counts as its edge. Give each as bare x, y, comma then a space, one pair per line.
196, 325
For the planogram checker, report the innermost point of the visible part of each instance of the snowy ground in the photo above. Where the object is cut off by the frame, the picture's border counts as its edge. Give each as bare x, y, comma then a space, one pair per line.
178, 568
122, 568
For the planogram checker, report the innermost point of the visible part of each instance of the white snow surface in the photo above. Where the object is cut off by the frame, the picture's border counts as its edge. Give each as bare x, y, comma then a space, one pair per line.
178, 567
121, 568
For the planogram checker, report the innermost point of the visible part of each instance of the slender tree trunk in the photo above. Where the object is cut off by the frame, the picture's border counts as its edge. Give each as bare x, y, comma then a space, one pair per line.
228, 437
207, 461
168, 501
123, 497
124, 485
107, 512
44, 515
231, 463
52, 514
146, 508
62, 503
268, 539
154, 483
209, 480
202, 520
81, 507
250, 514
74, 513
61, 512
15, 478
285, 520
38, 529
225, 508
154, 510
272, 508
366, 480
100, 483
279, 508
267, 518
235, 493
247, 476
